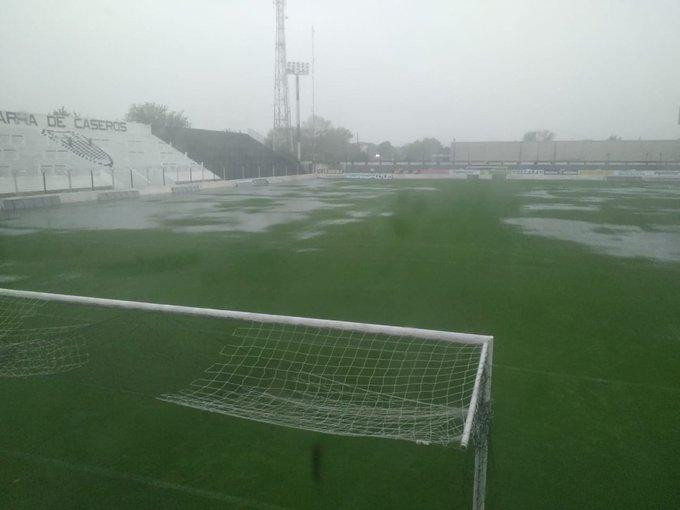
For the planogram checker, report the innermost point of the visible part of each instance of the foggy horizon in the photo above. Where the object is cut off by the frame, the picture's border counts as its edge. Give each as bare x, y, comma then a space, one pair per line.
387, 71
459, 290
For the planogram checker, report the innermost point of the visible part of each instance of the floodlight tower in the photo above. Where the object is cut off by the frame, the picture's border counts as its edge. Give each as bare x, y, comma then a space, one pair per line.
297, 69
281, 137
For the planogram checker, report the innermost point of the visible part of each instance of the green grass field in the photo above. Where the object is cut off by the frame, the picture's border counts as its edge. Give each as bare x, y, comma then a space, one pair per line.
578, 282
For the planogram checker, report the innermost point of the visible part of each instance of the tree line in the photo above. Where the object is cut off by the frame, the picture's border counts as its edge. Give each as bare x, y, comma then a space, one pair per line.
321, 141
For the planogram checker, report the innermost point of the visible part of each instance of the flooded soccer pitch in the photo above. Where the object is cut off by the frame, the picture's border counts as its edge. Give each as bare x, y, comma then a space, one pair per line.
577, 281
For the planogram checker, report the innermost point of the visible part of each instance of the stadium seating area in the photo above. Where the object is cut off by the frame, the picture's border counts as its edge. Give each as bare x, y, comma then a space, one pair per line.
229, 154
53, 153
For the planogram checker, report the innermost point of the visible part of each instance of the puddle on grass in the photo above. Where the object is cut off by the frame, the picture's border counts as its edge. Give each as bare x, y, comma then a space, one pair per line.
303, 236
649, 210
595, 195
593, 200
559, 207
616, 240
424, 188
339, 221
667, 228
360, 214
9, 231
540, 193
656, 241
641, 191
90, 216
69, 276
247, 209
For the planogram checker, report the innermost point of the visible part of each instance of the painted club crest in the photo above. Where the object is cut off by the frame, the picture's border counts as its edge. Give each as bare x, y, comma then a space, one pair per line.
80, 146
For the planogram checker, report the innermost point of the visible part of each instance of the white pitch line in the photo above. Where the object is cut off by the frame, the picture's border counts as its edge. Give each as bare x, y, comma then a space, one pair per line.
586, 378
144, 480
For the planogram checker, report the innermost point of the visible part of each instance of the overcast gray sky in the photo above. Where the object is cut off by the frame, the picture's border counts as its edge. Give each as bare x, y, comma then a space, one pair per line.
390, 69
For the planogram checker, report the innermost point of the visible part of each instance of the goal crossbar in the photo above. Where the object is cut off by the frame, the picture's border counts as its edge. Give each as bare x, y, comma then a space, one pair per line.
427, 334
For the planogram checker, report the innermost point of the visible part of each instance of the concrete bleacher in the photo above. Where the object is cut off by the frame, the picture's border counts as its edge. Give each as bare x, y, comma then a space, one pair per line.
42, 153
228, 154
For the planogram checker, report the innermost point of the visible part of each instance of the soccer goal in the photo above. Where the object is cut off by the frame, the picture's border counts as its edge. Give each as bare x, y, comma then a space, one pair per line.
335, 377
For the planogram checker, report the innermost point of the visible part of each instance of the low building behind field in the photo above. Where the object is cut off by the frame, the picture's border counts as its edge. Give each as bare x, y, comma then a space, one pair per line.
619, 154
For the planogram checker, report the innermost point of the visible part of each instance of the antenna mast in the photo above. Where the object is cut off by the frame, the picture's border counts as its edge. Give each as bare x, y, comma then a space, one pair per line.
282, 135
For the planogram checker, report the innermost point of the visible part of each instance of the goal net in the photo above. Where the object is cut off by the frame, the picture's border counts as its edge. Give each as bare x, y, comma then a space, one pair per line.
334, 377
341, 382
29, 349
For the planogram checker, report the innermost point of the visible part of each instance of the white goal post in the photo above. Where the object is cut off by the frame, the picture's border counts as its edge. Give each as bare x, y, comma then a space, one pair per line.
335, 377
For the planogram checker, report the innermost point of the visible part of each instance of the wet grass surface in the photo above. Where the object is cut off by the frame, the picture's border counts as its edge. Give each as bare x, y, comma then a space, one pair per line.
586, 375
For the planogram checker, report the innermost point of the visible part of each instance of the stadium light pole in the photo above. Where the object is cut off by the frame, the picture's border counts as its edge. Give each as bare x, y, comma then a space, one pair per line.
314, 107
297, 69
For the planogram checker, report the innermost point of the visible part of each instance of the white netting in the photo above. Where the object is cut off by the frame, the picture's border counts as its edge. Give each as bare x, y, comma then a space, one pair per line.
341, 382
27, 349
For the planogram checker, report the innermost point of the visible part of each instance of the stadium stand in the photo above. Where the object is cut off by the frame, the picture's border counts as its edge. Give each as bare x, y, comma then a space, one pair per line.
228, 154
41, 153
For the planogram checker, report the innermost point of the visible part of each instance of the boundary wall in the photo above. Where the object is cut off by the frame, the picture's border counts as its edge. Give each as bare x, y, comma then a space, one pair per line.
17, 204
503, 173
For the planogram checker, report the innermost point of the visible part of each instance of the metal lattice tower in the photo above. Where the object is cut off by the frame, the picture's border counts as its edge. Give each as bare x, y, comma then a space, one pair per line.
282, 136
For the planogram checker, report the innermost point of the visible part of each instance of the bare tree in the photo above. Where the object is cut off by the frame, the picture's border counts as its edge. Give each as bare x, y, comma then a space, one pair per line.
63, 112
540, 135
156, 115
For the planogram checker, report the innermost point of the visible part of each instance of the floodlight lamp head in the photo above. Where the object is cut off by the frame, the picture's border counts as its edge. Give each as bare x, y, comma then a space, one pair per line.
297, 68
